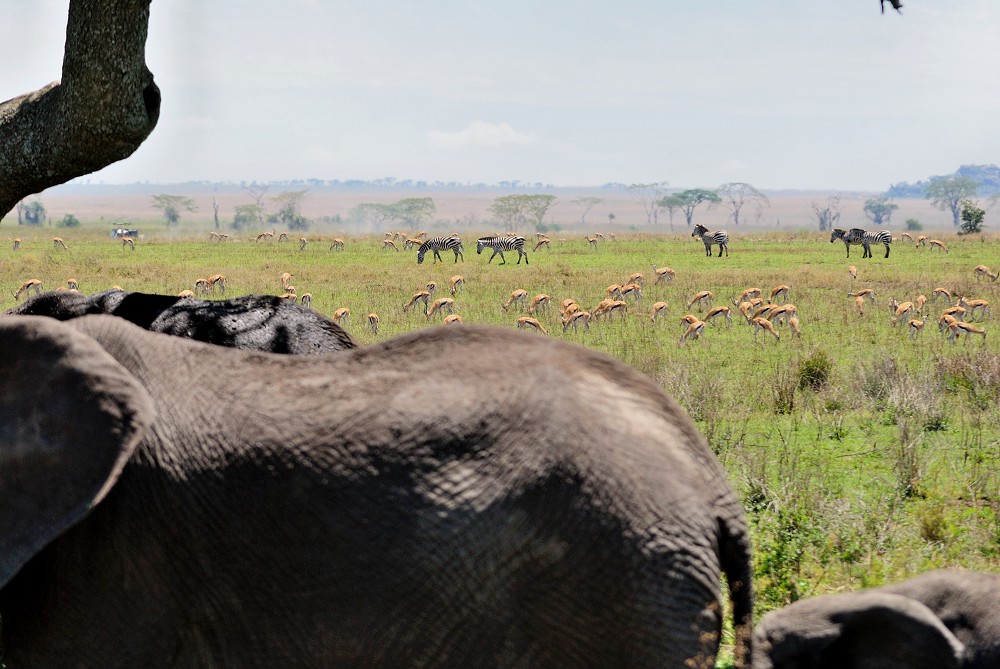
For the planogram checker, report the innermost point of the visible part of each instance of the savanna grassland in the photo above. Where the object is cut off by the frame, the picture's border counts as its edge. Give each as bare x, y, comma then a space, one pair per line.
861, 456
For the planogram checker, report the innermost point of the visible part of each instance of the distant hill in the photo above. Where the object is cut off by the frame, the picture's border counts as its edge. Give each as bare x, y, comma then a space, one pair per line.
987, 176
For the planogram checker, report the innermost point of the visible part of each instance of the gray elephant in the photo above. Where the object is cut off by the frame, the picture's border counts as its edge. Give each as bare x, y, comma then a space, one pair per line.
172, 504
252, 322
940, 619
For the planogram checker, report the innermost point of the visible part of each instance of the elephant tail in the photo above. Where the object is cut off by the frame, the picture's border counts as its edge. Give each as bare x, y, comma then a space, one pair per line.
734, 546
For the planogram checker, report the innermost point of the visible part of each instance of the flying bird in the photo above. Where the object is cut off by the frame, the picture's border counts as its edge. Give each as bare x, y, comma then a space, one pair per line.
896, 4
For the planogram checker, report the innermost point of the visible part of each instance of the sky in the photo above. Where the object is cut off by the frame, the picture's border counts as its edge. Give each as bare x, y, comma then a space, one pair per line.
781, 94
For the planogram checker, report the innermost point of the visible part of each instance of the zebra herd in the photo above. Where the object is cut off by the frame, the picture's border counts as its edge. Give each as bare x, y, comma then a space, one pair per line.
857, 236
498, 243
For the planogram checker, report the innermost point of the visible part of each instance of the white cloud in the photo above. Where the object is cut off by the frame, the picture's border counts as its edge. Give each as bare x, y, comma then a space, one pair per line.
480, 134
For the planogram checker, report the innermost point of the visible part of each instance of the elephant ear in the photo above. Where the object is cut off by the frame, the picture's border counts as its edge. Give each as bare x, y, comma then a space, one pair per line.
860, 630
70, 416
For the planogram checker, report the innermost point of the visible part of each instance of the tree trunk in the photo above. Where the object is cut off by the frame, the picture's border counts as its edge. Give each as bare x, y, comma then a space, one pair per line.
99, 113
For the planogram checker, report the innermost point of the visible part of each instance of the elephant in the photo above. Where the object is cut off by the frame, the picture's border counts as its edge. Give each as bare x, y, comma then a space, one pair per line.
940, 619
252, 322
174, 504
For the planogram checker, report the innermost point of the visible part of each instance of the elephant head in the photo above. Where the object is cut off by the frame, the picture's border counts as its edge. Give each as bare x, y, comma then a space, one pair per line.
396, 505
939, 619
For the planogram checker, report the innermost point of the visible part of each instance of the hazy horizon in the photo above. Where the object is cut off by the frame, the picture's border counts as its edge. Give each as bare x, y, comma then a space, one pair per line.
785, 96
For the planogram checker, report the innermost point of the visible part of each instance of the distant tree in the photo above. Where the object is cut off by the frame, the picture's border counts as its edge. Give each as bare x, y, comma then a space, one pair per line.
587, 203
949, 192
509, 211
879, 210
287, 209
172, 206
413, 211
913, 225
247, 216
611, 218
257, 192
736, 194
673, 204
215, 211
69, 221
377, 215
972, 218
690, 199
34, 213
649, 195
829, 215
536, 206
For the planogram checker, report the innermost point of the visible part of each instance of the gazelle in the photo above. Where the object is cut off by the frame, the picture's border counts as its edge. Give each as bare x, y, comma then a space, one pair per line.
389, 244
863, 293
635, 278
72, 284
431, 287
373, 322
663, 275
659, 309
613, 292
518, 295
745, 308
920, 302
945, 322
217, 280
958, 328
186, 293
285, 279
937, 244
779, 313
201, 286
972, 305
452, 319
760, 323
529, 322
593, 241
853, 271
539, 302
793, 322
694, 331
17, 243
441, 304
688, 319
565, 305
342, 316
719, 311
419, 296
958, 311
302, 243
633, 289
609, 307
859, 302
542, 242
283, 237
920, 240
129, 242
902, 311
747, 294
906, 235
780, 291
943, 293
456, 282
983, 272
265, 236
337, 244
916, 326
701, 298
57, 242
29, 285
574, 319
306, 300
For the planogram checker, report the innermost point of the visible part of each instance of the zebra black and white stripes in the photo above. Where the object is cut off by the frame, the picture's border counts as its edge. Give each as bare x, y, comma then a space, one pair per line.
864, 238
720, 237
501, 243
438, 244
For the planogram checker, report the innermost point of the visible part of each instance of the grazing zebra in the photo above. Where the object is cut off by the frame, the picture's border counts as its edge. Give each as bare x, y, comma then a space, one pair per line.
864, 238
720, 237
438, 244
501, 243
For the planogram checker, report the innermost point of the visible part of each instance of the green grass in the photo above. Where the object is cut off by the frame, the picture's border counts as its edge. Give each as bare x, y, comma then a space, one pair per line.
886, 465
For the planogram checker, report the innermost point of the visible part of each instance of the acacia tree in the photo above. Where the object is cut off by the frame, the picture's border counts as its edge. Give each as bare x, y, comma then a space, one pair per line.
412, 211
587, 203
649, 196
829, 215
690, 199
172, 205
246, 216
879, 210
99, 112
949, 192
672, 204
972, 218
736, 194
287, 203
536, 206
375, 214
509, 210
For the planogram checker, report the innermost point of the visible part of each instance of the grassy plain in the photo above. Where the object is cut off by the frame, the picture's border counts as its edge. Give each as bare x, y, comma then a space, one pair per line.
862, 456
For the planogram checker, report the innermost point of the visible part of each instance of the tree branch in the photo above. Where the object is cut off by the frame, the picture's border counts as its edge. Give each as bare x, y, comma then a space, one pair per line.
99, 113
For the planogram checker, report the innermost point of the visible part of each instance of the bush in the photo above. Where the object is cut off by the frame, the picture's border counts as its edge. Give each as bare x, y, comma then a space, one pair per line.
814, 371
913, 225
972, 218
69, 221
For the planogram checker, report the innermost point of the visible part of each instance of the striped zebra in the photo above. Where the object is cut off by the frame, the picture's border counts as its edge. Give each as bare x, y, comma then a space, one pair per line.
720, 237
501, 243
864, 238
438, 244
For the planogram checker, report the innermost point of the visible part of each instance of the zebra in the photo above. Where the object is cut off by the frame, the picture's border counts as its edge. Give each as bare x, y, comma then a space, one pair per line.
720, 237
862, 237
438, 244
501, 243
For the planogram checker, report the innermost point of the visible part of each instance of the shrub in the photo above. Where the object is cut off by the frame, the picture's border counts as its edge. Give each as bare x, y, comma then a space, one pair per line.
69, 221
913, 225
814, 371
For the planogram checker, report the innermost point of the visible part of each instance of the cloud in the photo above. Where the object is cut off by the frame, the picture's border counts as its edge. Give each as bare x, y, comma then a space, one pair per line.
479, 134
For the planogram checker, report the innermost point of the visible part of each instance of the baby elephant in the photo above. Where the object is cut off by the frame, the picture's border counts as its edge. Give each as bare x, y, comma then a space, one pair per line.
940, 619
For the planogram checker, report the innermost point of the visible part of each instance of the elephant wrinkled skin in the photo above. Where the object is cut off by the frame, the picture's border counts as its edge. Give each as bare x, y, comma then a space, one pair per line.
455, 497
